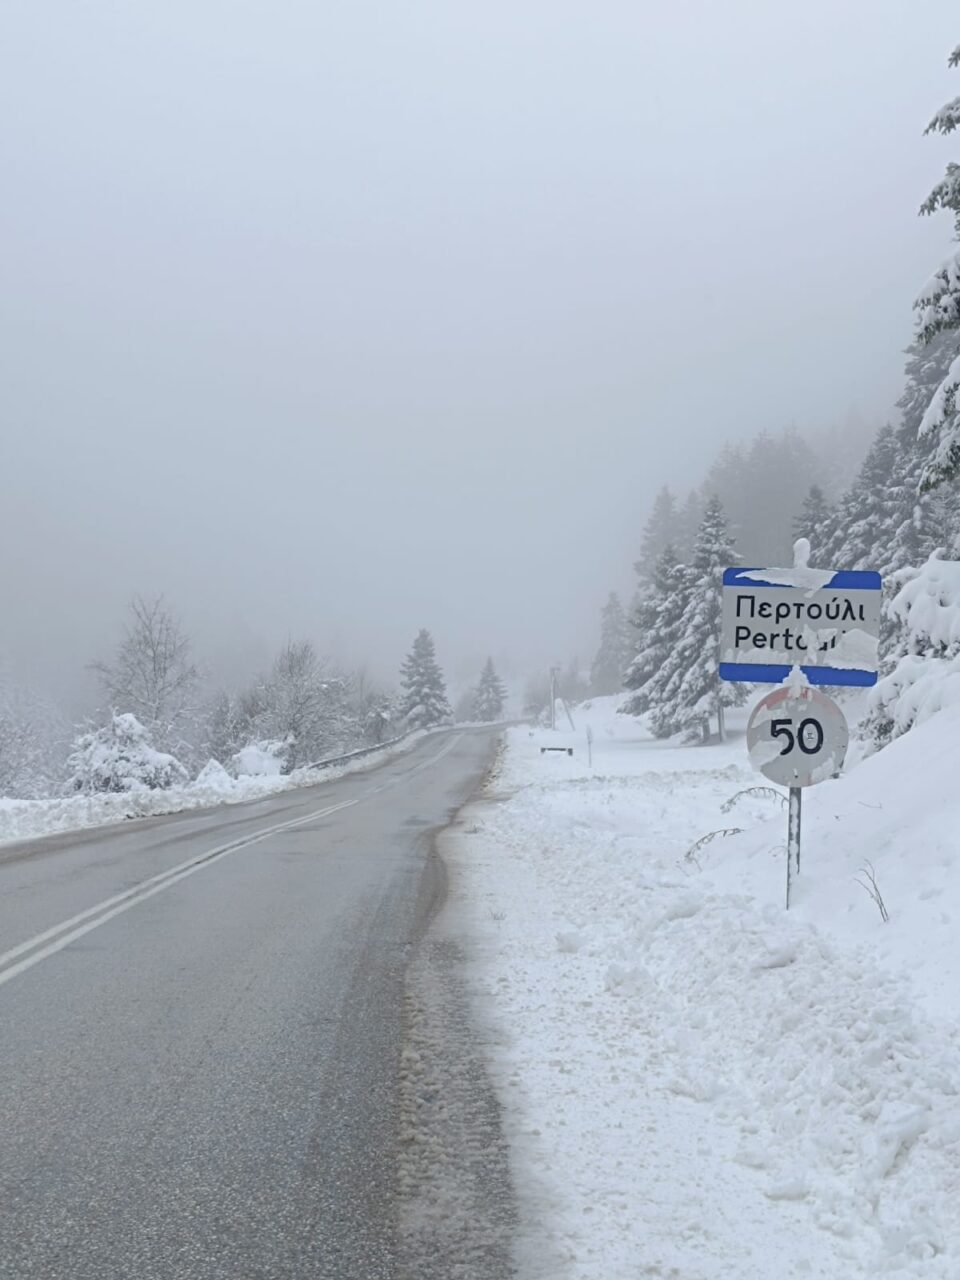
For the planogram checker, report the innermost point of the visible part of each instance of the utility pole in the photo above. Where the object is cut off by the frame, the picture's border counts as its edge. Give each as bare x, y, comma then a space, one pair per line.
554, 672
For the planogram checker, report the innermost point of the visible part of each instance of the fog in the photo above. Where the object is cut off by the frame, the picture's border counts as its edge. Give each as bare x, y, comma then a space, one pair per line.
344, 320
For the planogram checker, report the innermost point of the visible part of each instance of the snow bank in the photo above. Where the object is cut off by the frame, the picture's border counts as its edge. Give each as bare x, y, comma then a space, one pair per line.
25, 819
696, 1083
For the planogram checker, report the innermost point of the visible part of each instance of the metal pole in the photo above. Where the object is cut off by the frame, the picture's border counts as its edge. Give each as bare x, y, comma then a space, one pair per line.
553, 698
793, 837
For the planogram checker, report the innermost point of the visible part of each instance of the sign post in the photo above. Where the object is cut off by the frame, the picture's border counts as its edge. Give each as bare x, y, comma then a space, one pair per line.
797, 737
799, 628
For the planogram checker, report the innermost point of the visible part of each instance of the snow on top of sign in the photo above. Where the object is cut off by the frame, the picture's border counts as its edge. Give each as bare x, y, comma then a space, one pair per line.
803, 578
796, 681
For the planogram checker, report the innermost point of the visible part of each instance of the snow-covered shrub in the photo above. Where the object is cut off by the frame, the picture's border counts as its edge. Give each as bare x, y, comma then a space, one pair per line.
213, 774
120, 757
923, 673
264, 759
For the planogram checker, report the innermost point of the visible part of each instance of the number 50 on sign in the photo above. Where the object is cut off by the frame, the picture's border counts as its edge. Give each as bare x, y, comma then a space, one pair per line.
797, 737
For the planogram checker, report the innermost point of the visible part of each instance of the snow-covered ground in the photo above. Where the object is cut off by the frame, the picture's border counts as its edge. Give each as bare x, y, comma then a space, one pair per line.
26, 819
696, 1083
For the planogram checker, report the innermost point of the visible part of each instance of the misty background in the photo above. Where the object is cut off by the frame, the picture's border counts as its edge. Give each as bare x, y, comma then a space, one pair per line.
342, 321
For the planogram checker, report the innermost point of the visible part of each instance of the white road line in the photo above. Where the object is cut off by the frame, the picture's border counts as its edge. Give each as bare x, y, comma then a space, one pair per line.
61, 935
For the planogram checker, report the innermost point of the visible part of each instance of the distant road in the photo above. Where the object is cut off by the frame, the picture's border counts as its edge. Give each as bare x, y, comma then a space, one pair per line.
200, 1020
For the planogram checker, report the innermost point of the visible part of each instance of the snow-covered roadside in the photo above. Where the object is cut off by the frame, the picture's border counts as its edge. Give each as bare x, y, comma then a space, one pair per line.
26, 819
695, 1084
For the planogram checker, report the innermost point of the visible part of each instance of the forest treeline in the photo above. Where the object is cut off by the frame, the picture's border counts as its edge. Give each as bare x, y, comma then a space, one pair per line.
899, 514
163, 720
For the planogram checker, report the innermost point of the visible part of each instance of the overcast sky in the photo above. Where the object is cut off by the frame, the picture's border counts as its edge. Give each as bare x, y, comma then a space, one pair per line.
346, 319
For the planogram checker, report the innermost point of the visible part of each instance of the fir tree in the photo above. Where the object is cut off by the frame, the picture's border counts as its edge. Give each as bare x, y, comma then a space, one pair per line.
938, 311
424, 700
693, 691
869, 511
814, 519
656, 621
688, 524
490, 695
661, 530
922, 519
606, 674
923, 666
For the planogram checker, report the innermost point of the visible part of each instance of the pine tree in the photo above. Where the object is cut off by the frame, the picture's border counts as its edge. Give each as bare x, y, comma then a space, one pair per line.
868, 513
490, 695
656, 620
661, 530
814, 519
606, 673
693, 690
922, 520
938, 311
424, 699
689, 523
923, 666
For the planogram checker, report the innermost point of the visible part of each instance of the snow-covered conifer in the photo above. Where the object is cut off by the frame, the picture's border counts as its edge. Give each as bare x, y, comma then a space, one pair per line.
613, 656
120, 757
868, 513
693, 691
922, 674
938, 311
490, 695
661, 530
922, 518
424, 701
814, 518
656, 621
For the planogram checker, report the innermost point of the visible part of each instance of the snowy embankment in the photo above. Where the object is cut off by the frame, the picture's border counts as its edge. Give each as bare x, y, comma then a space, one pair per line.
697, 1084
26, 819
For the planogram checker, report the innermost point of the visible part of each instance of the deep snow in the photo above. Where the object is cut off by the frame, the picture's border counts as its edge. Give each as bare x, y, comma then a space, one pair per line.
697, 1084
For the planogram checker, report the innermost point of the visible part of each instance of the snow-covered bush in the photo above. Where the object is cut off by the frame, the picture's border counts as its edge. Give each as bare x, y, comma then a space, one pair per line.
213, 774
120, 757
923, 673
264, 759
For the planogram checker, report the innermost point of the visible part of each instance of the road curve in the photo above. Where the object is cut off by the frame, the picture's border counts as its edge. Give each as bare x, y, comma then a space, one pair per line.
200, 1021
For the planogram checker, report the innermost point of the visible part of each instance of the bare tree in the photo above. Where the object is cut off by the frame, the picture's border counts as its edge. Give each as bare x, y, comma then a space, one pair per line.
151, 674
304, 704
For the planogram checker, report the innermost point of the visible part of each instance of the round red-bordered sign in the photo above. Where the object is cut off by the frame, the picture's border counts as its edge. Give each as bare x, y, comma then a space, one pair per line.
797, 737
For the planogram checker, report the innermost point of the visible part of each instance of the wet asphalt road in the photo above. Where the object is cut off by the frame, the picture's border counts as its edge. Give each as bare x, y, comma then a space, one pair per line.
203, 1086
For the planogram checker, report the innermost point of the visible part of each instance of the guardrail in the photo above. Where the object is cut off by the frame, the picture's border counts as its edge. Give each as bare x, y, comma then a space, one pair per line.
359, 754
332, 761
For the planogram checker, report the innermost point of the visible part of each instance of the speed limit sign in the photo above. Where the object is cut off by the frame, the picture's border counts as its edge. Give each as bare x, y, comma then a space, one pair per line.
797, 737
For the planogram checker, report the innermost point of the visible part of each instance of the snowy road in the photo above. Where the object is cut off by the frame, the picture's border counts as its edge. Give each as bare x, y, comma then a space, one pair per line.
200, 1021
